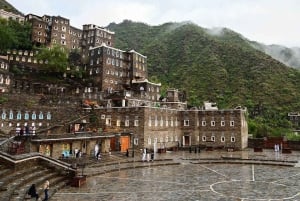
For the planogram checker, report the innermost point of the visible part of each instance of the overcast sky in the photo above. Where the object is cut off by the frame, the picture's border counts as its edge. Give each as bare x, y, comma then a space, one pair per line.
265, 21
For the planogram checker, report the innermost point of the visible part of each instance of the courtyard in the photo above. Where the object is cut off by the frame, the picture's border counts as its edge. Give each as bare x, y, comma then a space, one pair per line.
190, 180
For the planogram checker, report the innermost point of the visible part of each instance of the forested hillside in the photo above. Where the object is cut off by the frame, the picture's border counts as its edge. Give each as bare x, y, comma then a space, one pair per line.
217, 65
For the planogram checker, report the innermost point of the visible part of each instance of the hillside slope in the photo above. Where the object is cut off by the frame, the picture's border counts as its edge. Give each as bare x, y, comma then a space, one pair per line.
217, 65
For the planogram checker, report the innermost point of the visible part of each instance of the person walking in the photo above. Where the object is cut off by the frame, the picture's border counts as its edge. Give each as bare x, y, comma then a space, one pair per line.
32, 192
46, 189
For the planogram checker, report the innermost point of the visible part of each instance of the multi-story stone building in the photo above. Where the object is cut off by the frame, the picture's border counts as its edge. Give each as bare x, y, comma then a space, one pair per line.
50, 30
11, 16
121, 110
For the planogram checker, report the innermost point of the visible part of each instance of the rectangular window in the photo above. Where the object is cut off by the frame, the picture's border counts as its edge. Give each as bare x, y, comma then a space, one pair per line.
118, 123
232, 139
127, 122
222, 123
231, 123
212, 138
212, 123
108, 121
203, 138
222, 139
203, 123
186, 122
136, 122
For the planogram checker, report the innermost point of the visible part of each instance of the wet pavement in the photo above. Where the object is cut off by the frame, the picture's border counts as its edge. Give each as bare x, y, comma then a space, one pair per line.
215, 175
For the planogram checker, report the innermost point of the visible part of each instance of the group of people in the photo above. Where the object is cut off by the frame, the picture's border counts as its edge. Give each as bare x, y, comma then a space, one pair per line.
276, 148
147, 156
33, 192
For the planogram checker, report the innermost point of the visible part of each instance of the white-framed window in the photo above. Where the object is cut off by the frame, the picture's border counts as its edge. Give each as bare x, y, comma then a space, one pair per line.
3, 115
127, 122
212, 123
33, 116
26, 116
232, 139
19, 116
149, 121
222, 123
48, 116
41, 116
203, 123
149, 140
118, 123
11, 115
161, 121
186, 123
136, 141
108, 121
231, 123
136, 122
155, 122
213, 138
222, 138
203, 138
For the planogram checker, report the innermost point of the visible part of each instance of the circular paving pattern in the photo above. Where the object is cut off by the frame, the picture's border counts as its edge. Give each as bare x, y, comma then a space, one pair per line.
222, 182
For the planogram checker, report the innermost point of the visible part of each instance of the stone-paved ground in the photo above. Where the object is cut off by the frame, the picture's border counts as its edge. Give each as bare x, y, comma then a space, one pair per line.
189, 181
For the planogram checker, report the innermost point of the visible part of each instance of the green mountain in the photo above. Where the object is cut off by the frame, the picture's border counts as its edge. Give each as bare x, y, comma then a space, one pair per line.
288, 56
217, 65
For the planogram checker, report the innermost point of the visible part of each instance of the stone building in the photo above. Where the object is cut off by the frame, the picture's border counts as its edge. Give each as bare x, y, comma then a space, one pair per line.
50, 30
5, 75
11, 16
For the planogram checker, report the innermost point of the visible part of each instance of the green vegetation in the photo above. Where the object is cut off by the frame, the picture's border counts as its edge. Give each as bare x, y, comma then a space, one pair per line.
14, 36
55, 59
219, 66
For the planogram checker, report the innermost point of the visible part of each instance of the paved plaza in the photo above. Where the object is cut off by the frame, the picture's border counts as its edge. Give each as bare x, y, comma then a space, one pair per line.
191, 179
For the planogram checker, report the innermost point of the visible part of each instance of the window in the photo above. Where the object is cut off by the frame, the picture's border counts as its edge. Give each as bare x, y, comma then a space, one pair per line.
19, 116
186, 123
223, 139
127, 122
203, 138
212, 123
41, 116
231, 123
33, 116
118, 123
48, 116
222, 123
149, 140
136, 122
3, 115
203, 123
232, 139
149, 121
108, 121
213, 138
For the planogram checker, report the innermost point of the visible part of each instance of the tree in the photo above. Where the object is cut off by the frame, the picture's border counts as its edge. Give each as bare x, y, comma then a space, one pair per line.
55, 59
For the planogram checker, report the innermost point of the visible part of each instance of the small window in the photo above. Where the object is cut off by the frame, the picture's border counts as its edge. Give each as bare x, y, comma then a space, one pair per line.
118, 123
223, 139
212, 123
212, 138
231, 123
136, 122
203, 138
232, 139
203, 123
108, 121
127, 123
222, 123
186, 123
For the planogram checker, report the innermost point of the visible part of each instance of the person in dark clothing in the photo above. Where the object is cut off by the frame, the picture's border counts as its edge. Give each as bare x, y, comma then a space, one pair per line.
32, 192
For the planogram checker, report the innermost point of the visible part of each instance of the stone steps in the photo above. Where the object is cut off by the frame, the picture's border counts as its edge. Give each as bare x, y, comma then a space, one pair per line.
14, 184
